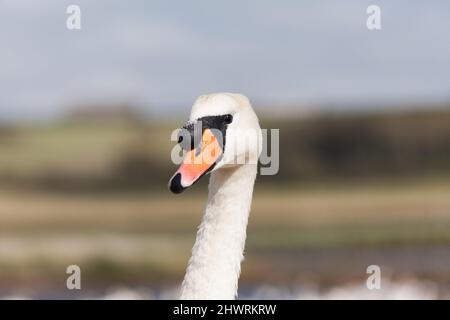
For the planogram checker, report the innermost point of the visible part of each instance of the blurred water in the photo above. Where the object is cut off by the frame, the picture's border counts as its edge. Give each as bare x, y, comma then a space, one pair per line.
411, 289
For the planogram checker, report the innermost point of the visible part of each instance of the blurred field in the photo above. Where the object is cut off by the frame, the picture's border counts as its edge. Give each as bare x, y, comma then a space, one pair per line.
93, 193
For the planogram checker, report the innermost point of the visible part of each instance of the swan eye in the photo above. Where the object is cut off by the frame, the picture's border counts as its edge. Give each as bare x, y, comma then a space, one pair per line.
228, 118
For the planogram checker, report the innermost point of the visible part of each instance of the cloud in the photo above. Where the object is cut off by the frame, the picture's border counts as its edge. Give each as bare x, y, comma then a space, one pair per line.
163, 54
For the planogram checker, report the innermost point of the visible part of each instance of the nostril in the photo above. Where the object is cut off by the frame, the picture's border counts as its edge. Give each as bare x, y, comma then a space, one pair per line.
175, 184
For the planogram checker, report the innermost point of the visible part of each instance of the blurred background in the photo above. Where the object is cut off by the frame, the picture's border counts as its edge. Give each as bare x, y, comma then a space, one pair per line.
364, 119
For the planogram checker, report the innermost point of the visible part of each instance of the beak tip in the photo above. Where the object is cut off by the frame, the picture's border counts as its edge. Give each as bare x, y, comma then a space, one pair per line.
175, 184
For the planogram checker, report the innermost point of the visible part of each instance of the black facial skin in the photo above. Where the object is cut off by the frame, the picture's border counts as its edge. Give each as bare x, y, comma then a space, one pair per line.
190, 137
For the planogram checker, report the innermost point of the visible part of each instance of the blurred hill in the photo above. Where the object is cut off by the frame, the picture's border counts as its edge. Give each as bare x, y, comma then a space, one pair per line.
98, 151
377, 145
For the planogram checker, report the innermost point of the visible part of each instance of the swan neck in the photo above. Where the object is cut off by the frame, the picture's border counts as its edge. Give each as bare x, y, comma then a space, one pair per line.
214, 267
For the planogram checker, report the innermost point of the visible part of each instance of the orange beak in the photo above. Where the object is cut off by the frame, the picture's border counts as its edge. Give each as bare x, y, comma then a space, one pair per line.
197, 162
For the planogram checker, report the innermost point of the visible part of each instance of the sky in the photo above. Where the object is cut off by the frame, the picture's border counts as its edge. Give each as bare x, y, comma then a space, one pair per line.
161, 55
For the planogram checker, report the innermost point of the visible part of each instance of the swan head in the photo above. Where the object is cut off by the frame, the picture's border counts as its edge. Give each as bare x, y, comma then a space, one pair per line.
223, 131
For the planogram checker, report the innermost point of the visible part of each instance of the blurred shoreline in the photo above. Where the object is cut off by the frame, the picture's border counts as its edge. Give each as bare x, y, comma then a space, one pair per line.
352, 190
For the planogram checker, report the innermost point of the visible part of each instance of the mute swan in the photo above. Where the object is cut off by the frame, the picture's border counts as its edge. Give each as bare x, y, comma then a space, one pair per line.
231, 135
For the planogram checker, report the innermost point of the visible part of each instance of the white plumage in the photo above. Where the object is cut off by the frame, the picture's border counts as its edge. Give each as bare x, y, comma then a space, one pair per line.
214, 267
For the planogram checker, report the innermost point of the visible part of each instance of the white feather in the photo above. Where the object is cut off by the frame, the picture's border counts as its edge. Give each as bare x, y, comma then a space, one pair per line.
214, 267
